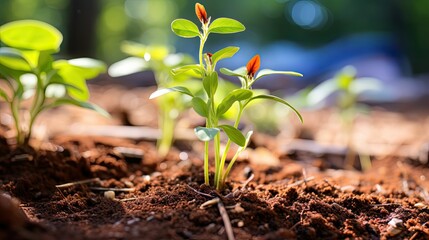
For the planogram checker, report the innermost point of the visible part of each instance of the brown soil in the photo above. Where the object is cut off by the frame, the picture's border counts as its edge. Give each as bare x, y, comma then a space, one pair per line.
299, 195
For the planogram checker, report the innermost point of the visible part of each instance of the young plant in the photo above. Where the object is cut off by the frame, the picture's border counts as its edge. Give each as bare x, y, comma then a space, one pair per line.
348, 90
206, 106
161, 60
29, 71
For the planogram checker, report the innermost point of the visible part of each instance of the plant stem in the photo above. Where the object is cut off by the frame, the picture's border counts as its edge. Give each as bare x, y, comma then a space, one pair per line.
219, 182
206, 164
167, 130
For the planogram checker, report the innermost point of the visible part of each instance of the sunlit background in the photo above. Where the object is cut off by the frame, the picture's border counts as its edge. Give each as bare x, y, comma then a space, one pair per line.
387, 39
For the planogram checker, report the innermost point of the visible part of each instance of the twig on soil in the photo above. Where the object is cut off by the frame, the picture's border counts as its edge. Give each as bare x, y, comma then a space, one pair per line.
201, 193
70, 184
113, 189
226, 221
238, 190
223, 214
297, 183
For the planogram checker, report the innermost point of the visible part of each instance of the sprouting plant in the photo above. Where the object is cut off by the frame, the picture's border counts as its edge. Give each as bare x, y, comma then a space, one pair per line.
348, 90
161, 60
30, 73
206, 106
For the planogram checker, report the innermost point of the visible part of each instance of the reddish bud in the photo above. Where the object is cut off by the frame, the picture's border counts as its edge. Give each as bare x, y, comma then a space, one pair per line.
201, 13
253, 66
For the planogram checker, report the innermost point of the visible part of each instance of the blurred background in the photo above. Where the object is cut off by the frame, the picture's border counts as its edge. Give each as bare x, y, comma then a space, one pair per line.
386, 39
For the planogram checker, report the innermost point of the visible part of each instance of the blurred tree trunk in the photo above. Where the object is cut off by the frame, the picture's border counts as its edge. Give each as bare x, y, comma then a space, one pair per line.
82, 27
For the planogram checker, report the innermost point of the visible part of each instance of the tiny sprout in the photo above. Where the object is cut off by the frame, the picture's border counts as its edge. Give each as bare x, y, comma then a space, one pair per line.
206, 106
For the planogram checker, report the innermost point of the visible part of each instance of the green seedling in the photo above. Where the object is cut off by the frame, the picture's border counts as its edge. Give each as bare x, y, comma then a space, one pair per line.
30, 73
207, 106
348, 90
161, 60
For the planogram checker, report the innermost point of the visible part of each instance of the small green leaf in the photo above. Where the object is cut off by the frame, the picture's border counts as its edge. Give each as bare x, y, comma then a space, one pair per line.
266, 72
362, 85
195, 68
185, 28
200, 106
163, 91
234, 134
13, 59
87, 105
231, 98
224, 53
70, 76
240, 72
322, 91
88, 68
248, 136
128, 66
206, 134
31, 35
225, 26
210, 83
277, 99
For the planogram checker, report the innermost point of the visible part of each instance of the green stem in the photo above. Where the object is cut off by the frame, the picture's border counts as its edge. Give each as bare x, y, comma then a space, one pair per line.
228, 169
167, 130
219, 182
206, 163
14, 107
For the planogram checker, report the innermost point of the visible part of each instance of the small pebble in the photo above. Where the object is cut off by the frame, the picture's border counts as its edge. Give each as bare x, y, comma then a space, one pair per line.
395, 227
238, 208
128, 184
240, 224
420, 205
109, 194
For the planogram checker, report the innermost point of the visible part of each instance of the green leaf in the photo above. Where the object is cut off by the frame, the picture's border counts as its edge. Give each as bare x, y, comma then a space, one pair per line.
164, 91
156, 52
224, 53
70, 76
195, 68
13, 59
248, 136
225, 26
185, 28
231, 98
266, 72
88, 68
234, 134
200, 106
128, 66
206, 134
277, 99
31, 35
362, 85
210, 83
87, 105
240, 72
322, 91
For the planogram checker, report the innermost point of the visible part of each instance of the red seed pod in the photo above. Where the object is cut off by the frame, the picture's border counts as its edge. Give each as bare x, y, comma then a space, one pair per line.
253, 66
201, 13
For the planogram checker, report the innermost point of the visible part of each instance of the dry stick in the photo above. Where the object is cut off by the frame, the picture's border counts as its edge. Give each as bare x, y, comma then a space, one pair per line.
113, 189
201, 193
65, 185
226, 221
297, 183
238, 190
223, 214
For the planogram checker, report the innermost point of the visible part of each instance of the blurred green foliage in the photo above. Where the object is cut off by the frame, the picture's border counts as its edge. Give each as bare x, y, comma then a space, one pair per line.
310, 23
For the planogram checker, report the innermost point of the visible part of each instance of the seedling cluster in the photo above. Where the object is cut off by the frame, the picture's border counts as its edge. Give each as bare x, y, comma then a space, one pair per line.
29, 72
161, 60
206, 105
